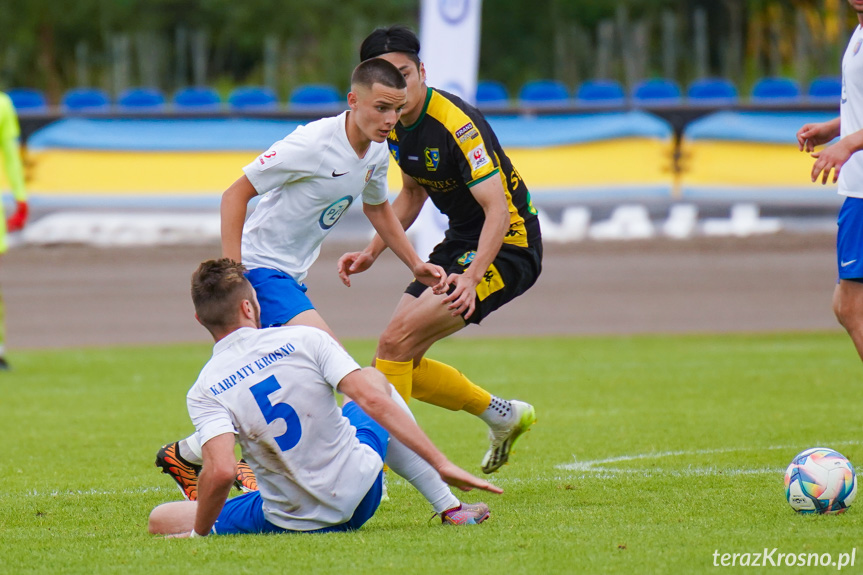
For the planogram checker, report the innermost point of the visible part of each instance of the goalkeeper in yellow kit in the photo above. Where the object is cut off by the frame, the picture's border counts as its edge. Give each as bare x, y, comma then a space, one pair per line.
9, 148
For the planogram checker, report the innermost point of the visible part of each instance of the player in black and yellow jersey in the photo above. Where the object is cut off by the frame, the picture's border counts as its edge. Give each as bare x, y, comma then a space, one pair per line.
492, 250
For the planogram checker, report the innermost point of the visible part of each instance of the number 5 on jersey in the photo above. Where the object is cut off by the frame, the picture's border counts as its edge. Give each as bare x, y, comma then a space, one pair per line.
272, 412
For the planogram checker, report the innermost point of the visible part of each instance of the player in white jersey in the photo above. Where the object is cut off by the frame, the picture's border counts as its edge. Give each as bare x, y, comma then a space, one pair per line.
319, 467
847, 166
307, 181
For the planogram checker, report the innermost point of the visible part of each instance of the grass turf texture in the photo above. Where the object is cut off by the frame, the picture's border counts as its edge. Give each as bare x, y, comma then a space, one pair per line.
650, 454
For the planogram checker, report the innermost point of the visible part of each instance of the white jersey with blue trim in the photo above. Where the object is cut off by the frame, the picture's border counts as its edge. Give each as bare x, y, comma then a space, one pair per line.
307, 180
851, 114
273, 388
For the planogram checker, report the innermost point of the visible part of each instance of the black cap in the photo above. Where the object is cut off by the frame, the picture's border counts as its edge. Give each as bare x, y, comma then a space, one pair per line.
396, 38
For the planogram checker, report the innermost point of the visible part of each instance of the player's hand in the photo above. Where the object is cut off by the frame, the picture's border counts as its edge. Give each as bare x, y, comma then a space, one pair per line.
353, 263
816, 134
19, 218
830, 159
462, 300
432, 276
457, 477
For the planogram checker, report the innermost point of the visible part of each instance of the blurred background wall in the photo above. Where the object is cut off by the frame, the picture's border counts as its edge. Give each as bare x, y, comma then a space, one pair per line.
169, 44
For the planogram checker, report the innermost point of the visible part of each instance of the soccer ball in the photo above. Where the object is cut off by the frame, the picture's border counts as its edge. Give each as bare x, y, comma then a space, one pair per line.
820, 480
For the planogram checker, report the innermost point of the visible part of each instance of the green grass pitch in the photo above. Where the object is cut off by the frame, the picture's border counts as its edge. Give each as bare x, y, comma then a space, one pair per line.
650, 455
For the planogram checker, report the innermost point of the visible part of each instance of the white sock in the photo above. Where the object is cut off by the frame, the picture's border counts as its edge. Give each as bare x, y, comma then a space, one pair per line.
498, 413
190, 449
417, 471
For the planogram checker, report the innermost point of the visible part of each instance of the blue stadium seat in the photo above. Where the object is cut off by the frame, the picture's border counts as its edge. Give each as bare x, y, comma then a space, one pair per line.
141, 100
28, 100
85, 100
600, 94
315, 97
197, 98
253, 98
776, 91
491, 94
826, 89
712, 92
543, 93
656, 92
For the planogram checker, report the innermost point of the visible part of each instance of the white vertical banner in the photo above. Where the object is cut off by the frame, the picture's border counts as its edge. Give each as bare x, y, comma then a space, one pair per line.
449, 45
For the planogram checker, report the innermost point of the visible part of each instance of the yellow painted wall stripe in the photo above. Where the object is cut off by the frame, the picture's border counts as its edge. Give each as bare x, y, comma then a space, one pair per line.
97, 172
717, 163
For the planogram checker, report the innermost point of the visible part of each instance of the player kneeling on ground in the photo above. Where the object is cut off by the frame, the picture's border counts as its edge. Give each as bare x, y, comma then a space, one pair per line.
318, 466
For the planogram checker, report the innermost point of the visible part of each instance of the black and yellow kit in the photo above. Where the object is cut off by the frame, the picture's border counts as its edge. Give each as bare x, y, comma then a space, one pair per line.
449, 149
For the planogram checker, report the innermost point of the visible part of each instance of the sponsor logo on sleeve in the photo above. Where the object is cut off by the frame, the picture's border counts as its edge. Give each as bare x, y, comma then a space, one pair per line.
370, 172
478, 157
466, 132
268, 159
468, 136
463, 129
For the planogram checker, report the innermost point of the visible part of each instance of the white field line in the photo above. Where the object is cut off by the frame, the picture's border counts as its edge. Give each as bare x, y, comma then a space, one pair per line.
599, 465
97, 492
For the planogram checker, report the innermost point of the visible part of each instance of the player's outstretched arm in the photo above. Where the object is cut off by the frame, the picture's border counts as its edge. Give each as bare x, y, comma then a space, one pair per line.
832, 158
383, 218
235, 201
817, 134
370, 389
406, 208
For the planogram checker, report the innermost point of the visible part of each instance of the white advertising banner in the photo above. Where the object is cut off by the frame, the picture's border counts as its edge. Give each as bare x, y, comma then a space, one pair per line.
449, 38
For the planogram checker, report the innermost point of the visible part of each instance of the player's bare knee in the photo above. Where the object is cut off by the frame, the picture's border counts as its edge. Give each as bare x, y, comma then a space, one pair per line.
838, 311
849, 317
172, 517
155, 524
848, 311
394, 344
